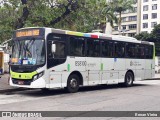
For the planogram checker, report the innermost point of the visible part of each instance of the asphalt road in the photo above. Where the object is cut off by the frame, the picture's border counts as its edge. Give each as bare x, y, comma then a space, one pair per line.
143, 96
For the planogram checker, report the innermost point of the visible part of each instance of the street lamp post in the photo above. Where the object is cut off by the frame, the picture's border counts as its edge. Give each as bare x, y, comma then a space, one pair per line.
123, 31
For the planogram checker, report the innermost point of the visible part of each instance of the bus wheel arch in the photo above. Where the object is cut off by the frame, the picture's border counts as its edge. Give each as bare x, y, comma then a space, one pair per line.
79, 75
74, 80
129, 78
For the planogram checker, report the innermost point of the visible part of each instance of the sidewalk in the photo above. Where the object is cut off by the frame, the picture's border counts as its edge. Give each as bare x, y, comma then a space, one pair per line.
4, 86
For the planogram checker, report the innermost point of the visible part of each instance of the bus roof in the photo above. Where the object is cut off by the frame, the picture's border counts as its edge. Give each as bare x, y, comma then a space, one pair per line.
94, 35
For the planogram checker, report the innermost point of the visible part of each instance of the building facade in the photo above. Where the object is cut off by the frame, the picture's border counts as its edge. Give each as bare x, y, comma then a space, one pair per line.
150, 14
145, 16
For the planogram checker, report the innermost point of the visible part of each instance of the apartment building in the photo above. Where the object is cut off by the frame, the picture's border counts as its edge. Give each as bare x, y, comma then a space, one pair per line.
129, 22
145, 16
150, 14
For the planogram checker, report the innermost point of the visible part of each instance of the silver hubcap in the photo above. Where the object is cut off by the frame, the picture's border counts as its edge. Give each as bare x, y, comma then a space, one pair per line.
129, 79
73, 83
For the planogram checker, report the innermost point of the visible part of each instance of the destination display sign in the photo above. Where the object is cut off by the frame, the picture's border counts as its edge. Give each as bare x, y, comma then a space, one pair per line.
29, 32
25, 33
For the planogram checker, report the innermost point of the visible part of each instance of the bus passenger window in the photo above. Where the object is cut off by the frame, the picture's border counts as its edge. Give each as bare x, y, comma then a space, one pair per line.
149, 51
140, 51
104, 48
130, 50
93, 48
110, 49
119, 50
77, 46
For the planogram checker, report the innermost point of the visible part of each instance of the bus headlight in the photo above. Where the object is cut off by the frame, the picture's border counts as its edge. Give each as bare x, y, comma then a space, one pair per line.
38, 75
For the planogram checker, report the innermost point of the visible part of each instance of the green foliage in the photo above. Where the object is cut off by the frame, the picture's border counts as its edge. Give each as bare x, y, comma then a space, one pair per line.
144, 36
156, 33
108, 14
78, 15
154, 36
87, 18
120, 6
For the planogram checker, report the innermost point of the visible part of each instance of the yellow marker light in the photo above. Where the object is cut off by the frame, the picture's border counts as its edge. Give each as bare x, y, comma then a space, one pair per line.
75, 33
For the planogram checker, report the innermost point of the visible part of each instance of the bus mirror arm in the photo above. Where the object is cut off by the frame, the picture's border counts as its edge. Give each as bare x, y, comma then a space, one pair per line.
53, 48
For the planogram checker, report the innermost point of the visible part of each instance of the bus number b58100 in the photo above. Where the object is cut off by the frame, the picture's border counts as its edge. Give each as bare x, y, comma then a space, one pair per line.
80, 63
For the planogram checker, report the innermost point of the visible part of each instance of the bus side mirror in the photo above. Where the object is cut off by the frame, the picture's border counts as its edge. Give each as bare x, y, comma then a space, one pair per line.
53, 48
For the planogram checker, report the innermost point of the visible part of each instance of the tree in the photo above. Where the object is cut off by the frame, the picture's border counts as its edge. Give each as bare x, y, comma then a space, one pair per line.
86, 18
156, 33
143, 36
120, 6
78, 15
15, 14
108, 16
156, 38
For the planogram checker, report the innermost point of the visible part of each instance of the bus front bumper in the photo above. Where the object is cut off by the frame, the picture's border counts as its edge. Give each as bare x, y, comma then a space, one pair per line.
39, 83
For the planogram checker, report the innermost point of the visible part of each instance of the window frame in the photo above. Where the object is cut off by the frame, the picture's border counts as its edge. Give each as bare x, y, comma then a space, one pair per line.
99, 49
69, 43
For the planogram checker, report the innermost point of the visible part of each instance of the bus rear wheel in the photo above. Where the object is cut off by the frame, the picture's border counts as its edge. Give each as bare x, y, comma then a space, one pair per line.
73, 83
129, 78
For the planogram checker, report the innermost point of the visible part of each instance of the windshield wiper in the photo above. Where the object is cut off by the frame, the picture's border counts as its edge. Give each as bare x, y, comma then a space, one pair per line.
19, 47
28, 46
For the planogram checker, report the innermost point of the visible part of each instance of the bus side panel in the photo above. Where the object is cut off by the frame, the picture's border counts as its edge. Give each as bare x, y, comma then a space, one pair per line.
93, 69
148, 70
77, 64
57, 74
153, 68
140, 69
130, 65
108, 74
119, 66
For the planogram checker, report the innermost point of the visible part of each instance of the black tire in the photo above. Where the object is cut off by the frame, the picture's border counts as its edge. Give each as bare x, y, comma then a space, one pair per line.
129, 78
73, 83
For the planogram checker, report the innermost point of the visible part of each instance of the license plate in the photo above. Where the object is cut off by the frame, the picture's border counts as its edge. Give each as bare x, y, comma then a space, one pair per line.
20, 82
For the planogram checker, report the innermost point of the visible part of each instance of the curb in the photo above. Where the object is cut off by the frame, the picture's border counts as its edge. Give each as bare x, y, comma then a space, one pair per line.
153, 79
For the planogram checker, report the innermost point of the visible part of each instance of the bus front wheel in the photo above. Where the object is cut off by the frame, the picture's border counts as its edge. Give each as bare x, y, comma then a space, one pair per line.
129, 78
73, 83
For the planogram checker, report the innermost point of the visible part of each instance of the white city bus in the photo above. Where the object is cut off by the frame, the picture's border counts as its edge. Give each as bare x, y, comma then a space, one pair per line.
53, 58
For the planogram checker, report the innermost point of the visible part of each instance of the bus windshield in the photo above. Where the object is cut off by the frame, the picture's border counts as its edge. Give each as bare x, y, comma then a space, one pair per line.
28, 52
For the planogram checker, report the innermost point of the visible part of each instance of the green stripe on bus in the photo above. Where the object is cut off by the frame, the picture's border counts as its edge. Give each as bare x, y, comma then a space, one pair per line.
68, 67
101, 66
154, 52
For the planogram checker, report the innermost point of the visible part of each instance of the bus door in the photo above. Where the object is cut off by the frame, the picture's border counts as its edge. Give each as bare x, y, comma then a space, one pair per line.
130, 57
119, 61
108, 75
149, 62
56, 59
77, 60
140, 62
93, 61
